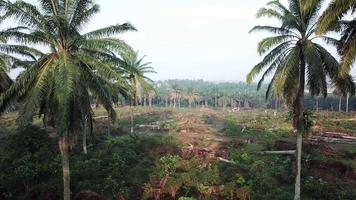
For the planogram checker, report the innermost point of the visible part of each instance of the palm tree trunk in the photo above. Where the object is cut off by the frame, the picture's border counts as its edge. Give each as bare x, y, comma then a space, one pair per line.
299, 166
64, 149
85, 149
223, 102
150, 102
317, 104
136, 101
206, 102
109, 123
131, 118
347, 102
298, 121
340, 100
216, 101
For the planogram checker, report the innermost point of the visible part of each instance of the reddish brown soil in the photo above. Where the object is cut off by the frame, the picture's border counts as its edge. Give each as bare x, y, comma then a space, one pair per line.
199, 138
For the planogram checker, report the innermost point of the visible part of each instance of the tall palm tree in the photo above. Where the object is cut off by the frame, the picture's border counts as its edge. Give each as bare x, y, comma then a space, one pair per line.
191, 95
216, 93
151, 95
296, 60
69, 64
175, 94
344, 88
333, 19
136, 73
136, 70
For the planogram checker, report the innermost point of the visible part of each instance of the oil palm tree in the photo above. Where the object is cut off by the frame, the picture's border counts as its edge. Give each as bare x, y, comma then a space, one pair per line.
136, 71
175, 93
344, 88
191, 95
296, 60
5, 80
12, 56
69, 65
333, 19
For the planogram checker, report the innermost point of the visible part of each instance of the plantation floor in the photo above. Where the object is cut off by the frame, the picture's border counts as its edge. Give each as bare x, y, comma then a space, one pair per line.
213, 136
193, 132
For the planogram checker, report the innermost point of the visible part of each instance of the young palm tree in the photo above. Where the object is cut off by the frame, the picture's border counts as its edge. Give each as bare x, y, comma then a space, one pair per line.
296, 59
333, 19
69, 64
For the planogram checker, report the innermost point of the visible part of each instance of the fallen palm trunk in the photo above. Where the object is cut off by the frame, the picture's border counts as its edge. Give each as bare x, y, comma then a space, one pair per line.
288, 152
333, 140
226, 161
148, 126
334, 137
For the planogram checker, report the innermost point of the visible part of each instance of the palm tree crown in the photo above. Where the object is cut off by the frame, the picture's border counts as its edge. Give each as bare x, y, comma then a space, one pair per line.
136, 71
57, 83
5, 80
334, 19
295, 42
66, 66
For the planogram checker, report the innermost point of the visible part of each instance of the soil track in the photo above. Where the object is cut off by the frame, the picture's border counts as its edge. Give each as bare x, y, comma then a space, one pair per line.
196, 135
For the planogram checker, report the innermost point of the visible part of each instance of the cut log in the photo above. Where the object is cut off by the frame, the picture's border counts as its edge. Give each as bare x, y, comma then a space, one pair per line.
332, 140
289, 152
148, 126
226, 161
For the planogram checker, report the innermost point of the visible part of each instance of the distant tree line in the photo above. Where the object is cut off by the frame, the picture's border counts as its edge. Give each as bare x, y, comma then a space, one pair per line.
226, 95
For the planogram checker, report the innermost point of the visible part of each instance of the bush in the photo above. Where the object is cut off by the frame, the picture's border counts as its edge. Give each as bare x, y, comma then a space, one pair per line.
231, 126
29, 164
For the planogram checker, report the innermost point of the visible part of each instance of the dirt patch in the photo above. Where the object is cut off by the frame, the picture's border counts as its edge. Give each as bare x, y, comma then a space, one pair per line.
199, 138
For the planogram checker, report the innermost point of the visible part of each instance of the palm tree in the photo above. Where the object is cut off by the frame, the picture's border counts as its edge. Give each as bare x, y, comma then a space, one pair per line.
5, 80
136, 70
216, 93
9, 57
175, 94
345, 87
333, 19
151, 95
191, 95
296, 59
69, 65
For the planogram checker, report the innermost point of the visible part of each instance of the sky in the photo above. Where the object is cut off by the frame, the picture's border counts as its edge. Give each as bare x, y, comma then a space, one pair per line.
190, 39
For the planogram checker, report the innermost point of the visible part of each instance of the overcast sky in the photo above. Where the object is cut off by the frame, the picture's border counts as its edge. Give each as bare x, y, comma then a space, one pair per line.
193, 39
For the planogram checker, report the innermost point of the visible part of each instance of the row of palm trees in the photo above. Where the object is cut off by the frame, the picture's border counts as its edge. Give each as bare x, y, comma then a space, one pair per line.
296, 59
64, 66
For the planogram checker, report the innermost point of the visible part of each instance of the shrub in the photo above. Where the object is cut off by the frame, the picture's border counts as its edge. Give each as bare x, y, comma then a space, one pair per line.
28, 164
231, 126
